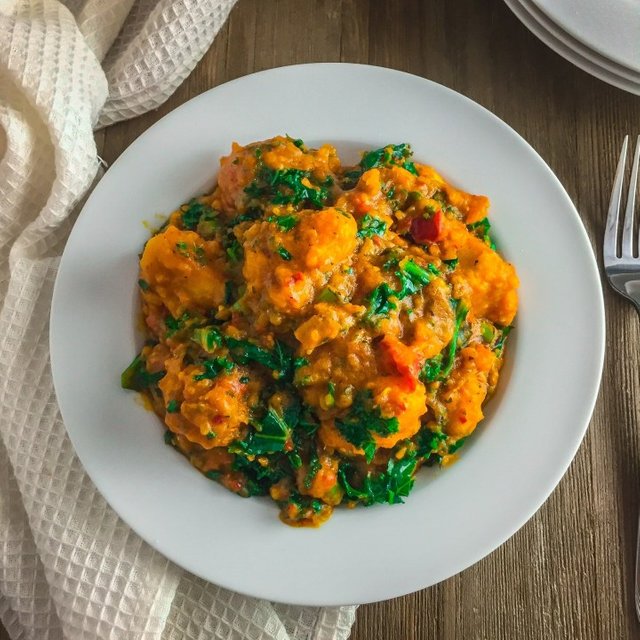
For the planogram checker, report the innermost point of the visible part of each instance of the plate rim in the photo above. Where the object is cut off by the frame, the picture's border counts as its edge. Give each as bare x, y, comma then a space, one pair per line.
583, 38
566, 51
587, 409
593, 56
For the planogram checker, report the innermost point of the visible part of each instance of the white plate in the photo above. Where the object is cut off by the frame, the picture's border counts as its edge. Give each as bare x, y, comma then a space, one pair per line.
454, 516
610, 27
567, 39
572, 50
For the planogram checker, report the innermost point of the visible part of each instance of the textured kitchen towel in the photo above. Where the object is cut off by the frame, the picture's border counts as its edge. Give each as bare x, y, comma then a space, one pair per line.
69, 567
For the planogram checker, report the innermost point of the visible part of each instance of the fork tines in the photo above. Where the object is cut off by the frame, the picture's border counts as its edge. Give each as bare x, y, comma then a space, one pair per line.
610, 249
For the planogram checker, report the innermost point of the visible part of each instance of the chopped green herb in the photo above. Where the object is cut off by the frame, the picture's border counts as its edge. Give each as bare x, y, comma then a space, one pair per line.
297, 141
295, 459
271, 435
182, 248
245, 380
208, 338
440, 366
286, 186
414, 277
364, 418
487, 331
210, 435
174, 325
380, 303
451, 264
328, 295
213, 475
499, 345
208, 224
137, 378
168, 437
314, 467
371, 226
429, 442
456, 445
279, 359
199, 254
258, 477
483, 228
431, 369
331, 395
213, 368
193, 212
391, 262
143, 284
461, 314
284, 222
300, 362
234, 250
388, 486
283, 253
390, 155
173, 406
253, 213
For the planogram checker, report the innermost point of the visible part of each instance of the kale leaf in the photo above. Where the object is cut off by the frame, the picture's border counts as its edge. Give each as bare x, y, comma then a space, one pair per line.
388, 486
482, 229
286, 223
137, 378
380, 303
193, 211
398, 155
213, 368
287, 186
439, 367
371, 226
413, 278
363, 419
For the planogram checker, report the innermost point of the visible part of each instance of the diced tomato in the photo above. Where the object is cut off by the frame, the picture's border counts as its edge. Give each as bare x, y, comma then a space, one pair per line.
430, 229
402, 359
361, 203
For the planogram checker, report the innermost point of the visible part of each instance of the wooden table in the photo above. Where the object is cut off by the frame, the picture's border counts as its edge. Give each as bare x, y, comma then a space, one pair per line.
568, 573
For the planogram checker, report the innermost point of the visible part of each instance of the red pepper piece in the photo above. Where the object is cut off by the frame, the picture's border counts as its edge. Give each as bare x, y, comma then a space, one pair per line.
425, 230
402, 359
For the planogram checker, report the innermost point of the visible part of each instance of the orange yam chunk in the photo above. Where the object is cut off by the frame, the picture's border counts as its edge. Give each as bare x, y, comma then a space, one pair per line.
324, 238
486, 282
181, 270
283, 285
475, 208
237, 170
394, 399
467, 388
211, 411
472, 206
320, 242
328, 322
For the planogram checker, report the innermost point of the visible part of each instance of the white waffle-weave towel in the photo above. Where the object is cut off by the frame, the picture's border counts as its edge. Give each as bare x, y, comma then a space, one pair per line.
69, 567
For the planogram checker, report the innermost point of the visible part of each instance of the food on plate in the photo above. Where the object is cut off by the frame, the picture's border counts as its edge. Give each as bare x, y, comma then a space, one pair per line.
317, 332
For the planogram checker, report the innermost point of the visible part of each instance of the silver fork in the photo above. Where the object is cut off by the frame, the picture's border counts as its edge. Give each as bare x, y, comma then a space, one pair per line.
622, 267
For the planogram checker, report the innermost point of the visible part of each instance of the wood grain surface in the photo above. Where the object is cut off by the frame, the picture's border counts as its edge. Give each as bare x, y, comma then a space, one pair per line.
568, 573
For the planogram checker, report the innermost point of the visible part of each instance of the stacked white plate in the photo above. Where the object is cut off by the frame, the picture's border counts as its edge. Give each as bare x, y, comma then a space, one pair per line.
602, 37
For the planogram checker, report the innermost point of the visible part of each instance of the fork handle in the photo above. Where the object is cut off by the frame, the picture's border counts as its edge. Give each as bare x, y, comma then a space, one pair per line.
637, 586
